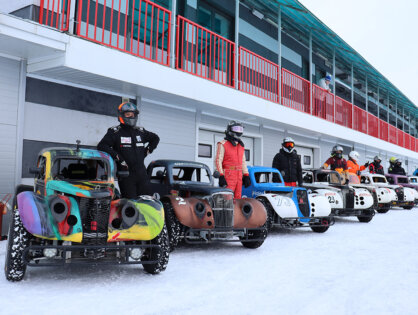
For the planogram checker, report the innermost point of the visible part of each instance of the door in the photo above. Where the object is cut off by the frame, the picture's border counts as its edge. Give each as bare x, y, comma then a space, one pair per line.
306, 156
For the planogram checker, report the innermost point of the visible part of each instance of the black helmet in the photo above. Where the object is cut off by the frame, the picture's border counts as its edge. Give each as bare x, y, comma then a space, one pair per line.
128, 107
377, 160
337, 151
234, 129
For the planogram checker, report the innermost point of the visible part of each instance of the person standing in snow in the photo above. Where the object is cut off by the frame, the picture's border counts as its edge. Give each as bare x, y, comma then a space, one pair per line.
287, 161
230, 160
126, 144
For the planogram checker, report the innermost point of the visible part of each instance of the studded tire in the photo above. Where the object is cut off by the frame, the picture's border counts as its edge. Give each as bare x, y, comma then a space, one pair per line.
366, 218
321, 228
18, 241
160, 256
270, 213
255, 234
407, 207
174, 227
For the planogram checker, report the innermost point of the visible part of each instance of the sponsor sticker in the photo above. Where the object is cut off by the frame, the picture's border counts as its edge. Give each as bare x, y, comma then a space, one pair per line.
125, 140
138, 138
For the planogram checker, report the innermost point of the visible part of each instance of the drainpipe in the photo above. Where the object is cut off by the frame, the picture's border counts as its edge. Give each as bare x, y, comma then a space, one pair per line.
72, 20
173, 34
333, 77
279, 39
236, 63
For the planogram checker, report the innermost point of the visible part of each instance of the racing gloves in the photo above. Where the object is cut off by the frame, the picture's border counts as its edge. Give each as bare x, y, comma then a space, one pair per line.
246, 181
222, 181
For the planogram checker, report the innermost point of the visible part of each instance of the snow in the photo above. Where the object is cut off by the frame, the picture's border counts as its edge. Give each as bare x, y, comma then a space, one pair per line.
353, 268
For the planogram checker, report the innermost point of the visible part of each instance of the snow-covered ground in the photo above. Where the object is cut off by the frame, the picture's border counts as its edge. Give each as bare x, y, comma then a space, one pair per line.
354, 268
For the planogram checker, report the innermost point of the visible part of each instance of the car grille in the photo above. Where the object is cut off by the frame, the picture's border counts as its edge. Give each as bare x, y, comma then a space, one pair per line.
400, 194
95, 218
349, 199
223, 210
303, 202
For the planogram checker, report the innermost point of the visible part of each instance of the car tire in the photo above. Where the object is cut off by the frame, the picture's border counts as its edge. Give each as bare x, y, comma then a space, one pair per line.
407, 207
154, 254
174, 227
18, 241
322, 228
382, 210
255, 234
270, 213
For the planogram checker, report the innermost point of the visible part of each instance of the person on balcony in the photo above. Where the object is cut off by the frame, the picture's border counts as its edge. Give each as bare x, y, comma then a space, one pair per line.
230, 160
287, 162
395, 167
336, 161
126, 144
375, 167
352, 164
325, 82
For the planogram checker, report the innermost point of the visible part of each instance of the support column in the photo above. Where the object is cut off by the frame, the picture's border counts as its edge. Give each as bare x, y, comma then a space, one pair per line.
173, 34
73, 18
236, 63
279, 39
333, 77
367, 106
310, 70
378, 111
352, 96
387, 118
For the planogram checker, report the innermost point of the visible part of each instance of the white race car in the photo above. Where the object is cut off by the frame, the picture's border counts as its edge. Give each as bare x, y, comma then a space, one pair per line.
382, 196
344, 200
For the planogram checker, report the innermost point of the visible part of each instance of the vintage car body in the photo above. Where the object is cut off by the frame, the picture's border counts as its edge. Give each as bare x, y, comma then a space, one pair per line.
382, 196
71, 215
410, 192
288, 207
344, 200
198, 212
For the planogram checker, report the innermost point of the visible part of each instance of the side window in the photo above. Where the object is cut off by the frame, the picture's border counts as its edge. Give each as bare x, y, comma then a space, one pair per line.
307, 178
42, 165
158, 174
390, 180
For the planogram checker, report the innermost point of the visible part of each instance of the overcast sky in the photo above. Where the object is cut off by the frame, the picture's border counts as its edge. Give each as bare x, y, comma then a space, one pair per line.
384, 32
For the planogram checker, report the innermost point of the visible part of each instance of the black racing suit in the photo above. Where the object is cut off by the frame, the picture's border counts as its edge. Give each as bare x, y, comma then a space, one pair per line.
289, 165
396, 169
125, 143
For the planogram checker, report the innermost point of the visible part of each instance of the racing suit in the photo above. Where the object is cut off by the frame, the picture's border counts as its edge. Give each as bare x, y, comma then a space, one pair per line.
376, 169
230, 162
354, 168
339, 165
396, 169
127, 144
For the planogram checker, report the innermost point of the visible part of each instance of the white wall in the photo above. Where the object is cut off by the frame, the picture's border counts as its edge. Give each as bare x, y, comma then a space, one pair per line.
7, 6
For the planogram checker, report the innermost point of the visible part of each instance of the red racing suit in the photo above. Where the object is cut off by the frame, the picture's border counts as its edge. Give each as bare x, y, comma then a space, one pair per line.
230, 162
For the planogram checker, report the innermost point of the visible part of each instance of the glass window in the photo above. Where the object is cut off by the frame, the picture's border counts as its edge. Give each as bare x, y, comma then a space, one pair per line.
247, 153
191, 174
158, 174
402, 180
306, 160
42, 166
204, 150
413, 180
265, 177
377, 179
80, 169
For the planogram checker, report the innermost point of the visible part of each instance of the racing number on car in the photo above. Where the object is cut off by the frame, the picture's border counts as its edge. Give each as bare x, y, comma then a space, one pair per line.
331, 199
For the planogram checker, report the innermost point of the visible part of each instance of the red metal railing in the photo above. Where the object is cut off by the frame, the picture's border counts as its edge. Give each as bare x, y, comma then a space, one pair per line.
258, 76
296, 92
406, 141
400, 137
204, 53
55, 13
373, 125
138, 27
383, 130
343, 112
360, 119
392, 134
414, 144
322, 103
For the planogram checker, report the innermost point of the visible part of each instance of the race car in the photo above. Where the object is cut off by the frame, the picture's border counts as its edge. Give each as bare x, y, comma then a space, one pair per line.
198, 212
409, 192
72, 216
382, 196
344, 200
287, 207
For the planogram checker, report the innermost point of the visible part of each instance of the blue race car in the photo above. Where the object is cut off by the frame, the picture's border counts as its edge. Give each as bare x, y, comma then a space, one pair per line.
288, 207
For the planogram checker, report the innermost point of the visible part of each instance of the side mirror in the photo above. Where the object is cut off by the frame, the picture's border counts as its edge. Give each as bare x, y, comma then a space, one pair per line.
216, 174
35, 170
156, 196
122, 173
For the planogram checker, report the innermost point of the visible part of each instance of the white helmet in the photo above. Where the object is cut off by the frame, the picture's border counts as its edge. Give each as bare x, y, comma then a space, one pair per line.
288, 144
354, 155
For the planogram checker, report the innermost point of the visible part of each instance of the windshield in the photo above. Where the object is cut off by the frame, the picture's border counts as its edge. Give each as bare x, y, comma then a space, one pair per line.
353, 179
413, 180
80, 169
377, 179
331, 177
266, 177
402, 180
191, 174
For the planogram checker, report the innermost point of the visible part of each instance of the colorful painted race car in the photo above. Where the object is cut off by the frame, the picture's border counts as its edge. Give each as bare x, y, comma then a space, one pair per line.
410, 194
344, 200
71, 216
288, 207
382, 196
198, 212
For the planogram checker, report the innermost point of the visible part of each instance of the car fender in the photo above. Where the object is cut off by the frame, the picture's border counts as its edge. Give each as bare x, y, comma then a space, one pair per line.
409, 194
258, 213
383, 195
37, 218
367, 200
320, 207
141, 219
284, 206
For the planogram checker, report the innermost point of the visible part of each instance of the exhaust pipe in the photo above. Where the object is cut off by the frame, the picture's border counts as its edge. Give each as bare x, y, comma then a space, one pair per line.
129, 215
59, 209
200, 210
247, 210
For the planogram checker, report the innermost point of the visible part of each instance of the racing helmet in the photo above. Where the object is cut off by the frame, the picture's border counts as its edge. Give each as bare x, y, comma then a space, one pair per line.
393, 160
337, 151
377, 159
354, 155
234, 129
288, 144
128, 107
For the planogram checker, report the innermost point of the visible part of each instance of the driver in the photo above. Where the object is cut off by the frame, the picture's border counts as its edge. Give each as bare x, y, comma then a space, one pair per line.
128, 145
336, 161
230, 160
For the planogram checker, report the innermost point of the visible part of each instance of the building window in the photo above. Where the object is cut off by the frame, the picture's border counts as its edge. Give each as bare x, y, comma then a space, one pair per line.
247, 153
204, 150
306, 160
215, 20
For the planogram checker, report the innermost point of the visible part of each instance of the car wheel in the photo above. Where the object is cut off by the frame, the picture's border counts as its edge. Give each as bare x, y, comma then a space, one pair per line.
270, 213
365, 218
159, 255
174, 227
325, 222
259, 235
18, 241
407, 207
382, 210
